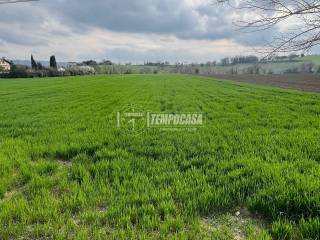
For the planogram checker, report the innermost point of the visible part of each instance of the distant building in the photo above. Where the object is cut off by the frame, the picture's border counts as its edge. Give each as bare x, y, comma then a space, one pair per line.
5, 65
61, 69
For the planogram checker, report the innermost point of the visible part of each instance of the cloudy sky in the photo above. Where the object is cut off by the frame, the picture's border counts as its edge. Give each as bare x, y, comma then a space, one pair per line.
122, 30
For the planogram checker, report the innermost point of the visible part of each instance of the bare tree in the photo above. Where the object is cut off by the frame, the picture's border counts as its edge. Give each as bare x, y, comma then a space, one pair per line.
304, 16
15, 1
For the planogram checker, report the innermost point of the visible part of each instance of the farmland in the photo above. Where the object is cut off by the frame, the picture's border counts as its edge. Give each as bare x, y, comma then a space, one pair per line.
68, 172
303, 65
304, 82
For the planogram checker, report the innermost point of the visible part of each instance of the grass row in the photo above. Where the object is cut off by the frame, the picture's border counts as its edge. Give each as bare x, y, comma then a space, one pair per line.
67, 172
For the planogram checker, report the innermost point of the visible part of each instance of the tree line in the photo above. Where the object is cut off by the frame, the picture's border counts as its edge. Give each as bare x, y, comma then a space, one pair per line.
38, 70
239, 60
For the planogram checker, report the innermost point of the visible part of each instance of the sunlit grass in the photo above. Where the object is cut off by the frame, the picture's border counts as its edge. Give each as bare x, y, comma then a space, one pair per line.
68, 172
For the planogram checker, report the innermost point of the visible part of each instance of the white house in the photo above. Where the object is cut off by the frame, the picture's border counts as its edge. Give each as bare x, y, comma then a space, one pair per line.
5, 65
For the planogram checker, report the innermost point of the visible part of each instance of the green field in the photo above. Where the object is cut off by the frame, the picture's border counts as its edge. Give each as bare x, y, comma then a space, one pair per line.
313, 58
67, 171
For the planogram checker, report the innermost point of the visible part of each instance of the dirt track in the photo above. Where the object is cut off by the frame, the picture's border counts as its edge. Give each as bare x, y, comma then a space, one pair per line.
304, 82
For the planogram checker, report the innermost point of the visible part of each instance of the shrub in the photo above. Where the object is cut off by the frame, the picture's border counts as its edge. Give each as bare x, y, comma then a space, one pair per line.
54, 73
292, 70
234, 71
306, 68
253, 70
18, 71
270, 71
81, 70
128, 71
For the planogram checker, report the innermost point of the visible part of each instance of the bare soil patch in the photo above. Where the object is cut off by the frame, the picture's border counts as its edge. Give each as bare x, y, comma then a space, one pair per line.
304, 82
239, 224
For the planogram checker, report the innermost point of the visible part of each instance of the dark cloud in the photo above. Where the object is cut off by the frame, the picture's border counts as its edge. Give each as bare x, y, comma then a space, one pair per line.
174, 17
19, 24
28, 24
39, 23
166, 16
20, 38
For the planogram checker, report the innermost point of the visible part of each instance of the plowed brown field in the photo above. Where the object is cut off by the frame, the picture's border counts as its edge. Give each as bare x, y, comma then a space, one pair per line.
305, 82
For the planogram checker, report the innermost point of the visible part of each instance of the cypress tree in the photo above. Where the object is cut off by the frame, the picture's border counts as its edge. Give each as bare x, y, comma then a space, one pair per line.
53, 62
33, 63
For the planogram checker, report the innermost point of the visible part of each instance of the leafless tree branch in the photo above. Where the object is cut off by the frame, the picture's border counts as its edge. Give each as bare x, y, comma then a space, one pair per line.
266, 14
16, 1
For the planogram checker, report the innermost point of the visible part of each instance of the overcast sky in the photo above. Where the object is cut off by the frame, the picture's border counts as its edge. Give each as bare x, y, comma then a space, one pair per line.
123, 30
